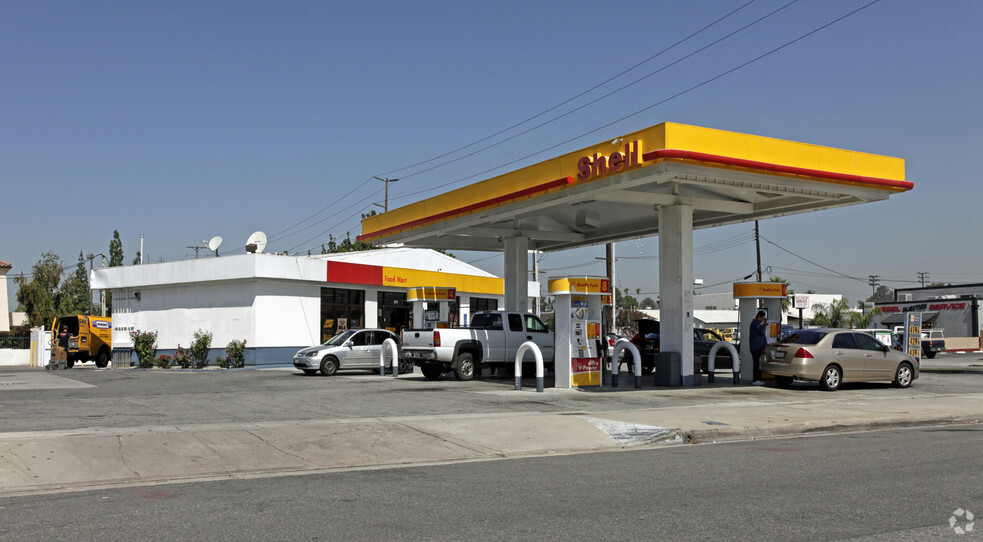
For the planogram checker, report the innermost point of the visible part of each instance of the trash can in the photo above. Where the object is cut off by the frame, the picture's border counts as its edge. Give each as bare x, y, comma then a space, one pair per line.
668, 368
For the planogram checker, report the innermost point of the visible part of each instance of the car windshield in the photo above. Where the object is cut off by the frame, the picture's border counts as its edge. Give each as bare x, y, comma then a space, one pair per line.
804, 336
340, 338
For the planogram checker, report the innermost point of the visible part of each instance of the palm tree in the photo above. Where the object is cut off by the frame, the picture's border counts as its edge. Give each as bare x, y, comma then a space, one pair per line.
832, 315
862, 320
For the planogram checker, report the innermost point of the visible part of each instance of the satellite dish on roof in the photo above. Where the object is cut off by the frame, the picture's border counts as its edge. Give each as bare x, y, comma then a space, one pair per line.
214, 243
256, 242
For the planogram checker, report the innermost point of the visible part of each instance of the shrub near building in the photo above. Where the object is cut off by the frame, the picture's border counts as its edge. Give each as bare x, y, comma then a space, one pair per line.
145, 346
235, 355
199, 349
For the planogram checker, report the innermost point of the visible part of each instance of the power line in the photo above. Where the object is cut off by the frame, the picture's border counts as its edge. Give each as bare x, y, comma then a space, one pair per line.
568, 100
658, 103
551, 147
844, 275
276, 236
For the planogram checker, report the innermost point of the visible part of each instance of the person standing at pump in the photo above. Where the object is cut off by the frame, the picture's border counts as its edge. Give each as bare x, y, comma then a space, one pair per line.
758, 342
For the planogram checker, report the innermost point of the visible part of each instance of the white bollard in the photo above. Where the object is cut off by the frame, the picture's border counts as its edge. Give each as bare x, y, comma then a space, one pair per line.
525, 347
625, 344
391, 344
733, 354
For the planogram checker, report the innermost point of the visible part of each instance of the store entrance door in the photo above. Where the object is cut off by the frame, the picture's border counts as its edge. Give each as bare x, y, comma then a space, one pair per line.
394, 311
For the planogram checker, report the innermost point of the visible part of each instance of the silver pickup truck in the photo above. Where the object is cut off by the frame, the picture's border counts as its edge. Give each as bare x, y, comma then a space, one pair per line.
493, 338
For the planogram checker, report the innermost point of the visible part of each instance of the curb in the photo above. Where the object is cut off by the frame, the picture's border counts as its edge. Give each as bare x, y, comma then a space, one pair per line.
709, 436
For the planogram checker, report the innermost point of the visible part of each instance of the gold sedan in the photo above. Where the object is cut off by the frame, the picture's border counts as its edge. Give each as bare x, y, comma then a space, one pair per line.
834, 356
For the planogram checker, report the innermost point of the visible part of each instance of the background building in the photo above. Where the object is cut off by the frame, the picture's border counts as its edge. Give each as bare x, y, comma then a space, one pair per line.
954, 308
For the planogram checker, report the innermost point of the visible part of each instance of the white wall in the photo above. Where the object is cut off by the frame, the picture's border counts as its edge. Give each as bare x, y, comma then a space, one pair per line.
175, 313
4, 309
286, 314
9, 358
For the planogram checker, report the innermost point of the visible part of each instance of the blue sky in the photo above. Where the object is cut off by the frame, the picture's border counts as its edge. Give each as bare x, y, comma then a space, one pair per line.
181, 120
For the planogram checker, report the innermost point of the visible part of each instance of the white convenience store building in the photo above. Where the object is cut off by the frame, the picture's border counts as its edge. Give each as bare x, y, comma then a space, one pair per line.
280, 304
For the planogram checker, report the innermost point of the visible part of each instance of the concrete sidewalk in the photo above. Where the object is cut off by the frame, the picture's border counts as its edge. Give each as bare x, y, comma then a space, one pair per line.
58, 460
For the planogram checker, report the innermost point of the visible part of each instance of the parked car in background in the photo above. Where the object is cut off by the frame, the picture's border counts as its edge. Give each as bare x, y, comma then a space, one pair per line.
609, 340
647, 342
353, 349
703, 341
835, 356
933, 342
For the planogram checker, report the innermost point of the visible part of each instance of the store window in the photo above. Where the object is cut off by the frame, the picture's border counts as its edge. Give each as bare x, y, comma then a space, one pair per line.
341, 310
479, 304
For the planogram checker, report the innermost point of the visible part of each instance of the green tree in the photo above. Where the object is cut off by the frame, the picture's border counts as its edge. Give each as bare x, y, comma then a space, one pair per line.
74, 295
882, 294
346, 245
625, 301
115, 260
115, 250
834, 314
625, 321
648, 303
863, 320
39, 294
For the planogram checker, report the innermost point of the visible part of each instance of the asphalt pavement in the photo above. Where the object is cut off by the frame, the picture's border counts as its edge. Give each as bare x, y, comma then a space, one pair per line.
96, 454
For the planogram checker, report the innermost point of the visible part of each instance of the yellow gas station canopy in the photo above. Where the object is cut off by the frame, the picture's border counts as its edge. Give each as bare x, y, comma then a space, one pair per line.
613, 190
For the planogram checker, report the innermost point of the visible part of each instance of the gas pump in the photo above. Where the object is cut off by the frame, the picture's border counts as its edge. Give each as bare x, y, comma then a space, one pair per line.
749, 294
431, 306
577, 314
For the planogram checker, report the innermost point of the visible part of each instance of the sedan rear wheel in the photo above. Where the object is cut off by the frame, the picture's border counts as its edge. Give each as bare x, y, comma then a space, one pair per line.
903, 376
831, 379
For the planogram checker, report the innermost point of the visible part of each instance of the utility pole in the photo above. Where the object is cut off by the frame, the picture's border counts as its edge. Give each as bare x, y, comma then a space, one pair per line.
923, 277
757, 248
872, 280
387, 180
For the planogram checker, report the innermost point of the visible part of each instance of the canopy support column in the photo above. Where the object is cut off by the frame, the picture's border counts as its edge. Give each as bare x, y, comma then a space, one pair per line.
676, 285
517, 274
